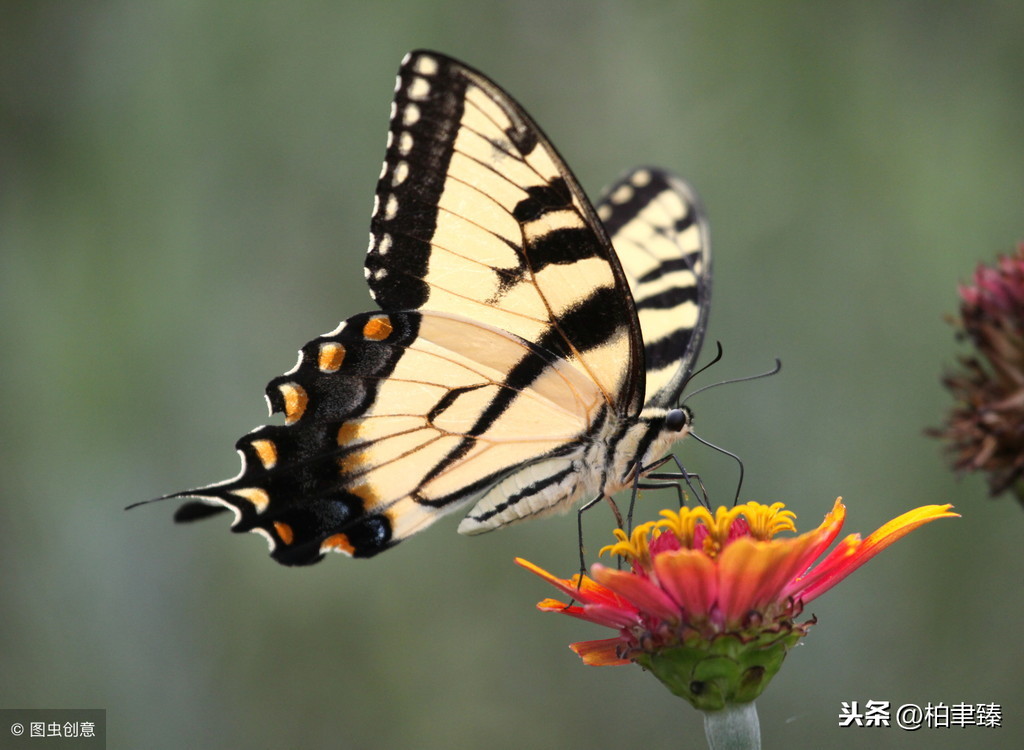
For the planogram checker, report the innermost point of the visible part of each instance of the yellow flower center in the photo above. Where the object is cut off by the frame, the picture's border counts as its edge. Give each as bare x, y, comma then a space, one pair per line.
635, 547
763, 523
766, 521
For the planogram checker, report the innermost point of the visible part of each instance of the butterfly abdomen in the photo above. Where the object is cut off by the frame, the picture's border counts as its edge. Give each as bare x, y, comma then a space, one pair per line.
601, 465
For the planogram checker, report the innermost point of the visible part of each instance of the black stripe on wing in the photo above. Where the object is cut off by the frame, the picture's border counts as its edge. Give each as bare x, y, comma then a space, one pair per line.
659, 231
419, 150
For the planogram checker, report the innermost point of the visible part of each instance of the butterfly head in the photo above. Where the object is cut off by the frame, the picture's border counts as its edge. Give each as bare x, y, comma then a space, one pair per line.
679, 419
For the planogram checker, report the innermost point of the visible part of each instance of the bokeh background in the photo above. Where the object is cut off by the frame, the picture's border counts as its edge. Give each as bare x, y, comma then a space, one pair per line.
185, 191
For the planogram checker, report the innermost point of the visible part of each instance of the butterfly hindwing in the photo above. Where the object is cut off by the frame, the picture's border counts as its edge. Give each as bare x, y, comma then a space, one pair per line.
391, 421
660, 234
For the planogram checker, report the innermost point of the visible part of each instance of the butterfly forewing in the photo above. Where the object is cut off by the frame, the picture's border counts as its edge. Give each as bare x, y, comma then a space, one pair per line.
477, 215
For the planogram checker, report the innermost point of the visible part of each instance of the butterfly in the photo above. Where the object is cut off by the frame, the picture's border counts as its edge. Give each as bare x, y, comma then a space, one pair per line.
529, 351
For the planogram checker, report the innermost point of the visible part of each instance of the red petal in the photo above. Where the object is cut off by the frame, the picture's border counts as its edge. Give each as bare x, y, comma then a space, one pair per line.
612, 617
588, 592
603, 653
599, 614
853, 552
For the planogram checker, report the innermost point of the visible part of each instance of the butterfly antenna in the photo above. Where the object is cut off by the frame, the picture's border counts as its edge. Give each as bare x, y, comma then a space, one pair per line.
730, 454
774, 371
714, 360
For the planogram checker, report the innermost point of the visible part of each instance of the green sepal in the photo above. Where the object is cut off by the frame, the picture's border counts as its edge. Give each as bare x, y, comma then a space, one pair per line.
726, 670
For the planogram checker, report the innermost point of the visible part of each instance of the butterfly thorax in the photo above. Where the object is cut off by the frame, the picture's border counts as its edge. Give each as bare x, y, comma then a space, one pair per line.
644, 440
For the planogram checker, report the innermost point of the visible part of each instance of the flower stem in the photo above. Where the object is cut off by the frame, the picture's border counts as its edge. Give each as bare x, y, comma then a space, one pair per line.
735, 727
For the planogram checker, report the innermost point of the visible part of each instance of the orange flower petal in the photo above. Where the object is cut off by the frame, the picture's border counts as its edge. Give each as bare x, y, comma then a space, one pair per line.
753, 573
749, 571
587, 591
603, 653
638, 590
787, 560
688, 575
609, 608
824, 535
758, 573
853, 552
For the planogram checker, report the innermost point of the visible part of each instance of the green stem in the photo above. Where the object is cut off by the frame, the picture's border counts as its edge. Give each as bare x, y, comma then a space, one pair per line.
735, 727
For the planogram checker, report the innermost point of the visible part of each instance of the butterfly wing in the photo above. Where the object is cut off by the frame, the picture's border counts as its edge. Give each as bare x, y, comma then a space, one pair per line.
507, 335
660, 233
476, 214
391, 420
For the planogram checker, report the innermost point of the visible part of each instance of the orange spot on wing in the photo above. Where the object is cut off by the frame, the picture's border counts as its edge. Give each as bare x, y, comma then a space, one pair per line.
378, 328
365, 493
332, 354
337, 543
348, 433
352, 462
255, 495
295, 401
266, 451
284, 531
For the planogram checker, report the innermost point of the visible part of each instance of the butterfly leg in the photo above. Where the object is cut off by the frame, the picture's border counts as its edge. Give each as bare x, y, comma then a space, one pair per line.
681, 475
662, 480
637, 486
579, 525
660, 486
673, 480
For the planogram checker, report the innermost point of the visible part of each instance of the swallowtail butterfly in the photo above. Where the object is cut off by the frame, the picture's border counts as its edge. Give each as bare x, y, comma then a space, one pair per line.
529, 350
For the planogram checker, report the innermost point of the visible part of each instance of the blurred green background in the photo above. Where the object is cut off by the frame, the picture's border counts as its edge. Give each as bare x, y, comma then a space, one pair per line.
185, 191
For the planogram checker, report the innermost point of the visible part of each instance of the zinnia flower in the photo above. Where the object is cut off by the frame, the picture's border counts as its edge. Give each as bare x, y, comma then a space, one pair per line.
985, 428
709, 602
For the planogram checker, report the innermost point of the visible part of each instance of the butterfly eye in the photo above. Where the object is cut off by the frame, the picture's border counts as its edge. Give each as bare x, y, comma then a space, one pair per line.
677, 419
